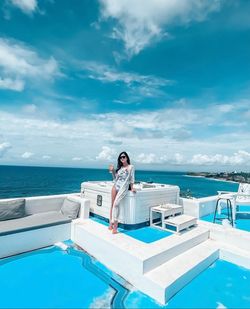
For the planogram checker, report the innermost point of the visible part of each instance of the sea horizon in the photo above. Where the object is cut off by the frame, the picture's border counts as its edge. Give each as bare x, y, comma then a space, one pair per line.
98, 168
138, 169
24, 181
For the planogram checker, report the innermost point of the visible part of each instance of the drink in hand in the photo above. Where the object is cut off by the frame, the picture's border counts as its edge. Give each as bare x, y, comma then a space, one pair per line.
111, 168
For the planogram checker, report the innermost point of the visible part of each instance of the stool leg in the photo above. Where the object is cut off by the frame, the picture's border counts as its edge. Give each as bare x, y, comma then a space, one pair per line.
228, 211
216, 208
231, 213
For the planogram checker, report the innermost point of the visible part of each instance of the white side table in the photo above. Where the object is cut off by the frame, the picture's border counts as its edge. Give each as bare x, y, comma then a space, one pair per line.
166, 210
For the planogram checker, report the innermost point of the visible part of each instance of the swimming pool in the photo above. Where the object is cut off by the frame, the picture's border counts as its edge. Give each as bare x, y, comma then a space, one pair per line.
53, 278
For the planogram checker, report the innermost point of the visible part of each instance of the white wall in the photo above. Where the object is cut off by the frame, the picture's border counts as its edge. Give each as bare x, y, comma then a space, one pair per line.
199, 207
30, 240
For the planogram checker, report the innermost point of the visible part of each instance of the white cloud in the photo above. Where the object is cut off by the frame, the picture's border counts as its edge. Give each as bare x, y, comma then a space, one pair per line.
27, 155
11, 84
226, 108
240, 157
26, 6
4, 147
147, 85
76, 159
146, 158
168, 125
152, 158
45, 157
19, 63
106, 154
148, 136
106, 73
178, 158
16, 58
200, 159
141, 22
29, 108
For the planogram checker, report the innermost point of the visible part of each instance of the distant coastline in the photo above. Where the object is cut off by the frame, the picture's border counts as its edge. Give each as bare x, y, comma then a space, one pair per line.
211, 178
234, 177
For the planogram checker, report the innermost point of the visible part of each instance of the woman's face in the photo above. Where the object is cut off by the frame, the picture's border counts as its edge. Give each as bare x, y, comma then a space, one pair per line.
123, 158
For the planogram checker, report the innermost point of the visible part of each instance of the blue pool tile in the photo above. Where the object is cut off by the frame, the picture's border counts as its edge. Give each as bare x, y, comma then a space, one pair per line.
242, 221
145, 234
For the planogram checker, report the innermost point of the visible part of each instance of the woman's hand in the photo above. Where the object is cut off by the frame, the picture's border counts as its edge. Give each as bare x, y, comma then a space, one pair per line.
111, 168
132, 188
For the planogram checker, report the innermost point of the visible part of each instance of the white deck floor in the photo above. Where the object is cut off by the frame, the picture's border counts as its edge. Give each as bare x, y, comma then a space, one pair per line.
159, 269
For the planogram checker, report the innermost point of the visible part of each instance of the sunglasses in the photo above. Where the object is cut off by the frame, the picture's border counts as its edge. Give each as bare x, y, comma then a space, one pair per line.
122, 157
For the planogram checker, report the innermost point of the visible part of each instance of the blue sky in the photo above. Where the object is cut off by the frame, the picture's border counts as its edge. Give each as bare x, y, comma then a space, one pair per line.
168, 81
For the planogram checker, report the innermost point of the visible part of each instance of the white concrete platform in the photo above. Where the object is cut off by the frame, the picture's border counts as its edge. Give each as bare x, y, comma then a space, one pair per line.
227, 235
140, 263
166, 280
89, 235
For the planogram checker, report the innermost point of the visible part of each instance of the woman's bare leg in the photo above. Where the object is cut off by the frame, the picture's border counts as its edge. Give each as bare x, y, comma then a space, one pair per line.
115, 218
115, 226
113, 195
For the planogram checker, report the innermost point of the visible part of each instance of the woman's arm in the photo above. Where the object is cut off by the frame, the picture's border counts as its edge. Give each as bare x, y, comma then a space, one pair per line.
112, 171
113, 174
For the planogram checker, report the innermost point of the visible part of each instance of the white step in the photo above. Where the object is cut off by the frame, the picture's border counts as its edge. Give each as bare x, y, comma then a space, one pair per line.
180, 223
165, 250
124, 254
166, 280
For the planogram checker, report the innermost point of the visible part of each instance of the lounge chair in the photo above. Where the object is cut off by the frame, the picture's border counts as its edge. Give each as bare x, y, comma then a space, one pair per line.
36, 222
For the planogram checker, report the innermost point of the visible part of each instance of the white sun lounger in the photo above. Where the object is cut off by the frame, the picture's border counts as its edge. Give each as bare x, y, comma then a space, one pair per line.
179, 223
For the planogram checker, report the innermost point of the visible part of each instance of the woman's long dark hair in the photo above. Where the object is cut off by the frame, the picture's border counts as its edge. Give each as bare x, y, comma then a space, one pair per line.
119, 163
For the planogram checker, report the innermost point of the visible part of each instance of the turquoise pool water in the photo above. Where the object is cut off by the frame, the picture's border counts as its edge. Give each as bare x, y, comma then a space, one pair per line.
145, 234
53, 278
242, 220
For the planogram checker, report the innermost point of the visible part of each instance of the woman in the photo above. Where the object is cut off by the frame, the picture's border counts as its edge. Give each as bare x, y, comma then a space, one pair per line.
123, 177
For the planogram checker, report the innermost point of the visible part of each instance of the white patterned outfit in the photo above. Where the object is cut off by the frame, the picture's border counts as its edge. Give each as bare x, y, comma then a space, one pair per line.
124, 177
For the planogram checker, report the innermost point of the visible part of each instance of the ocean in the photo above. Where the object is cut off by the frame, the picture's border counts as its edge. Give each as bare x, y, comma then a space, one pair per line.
24, 181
